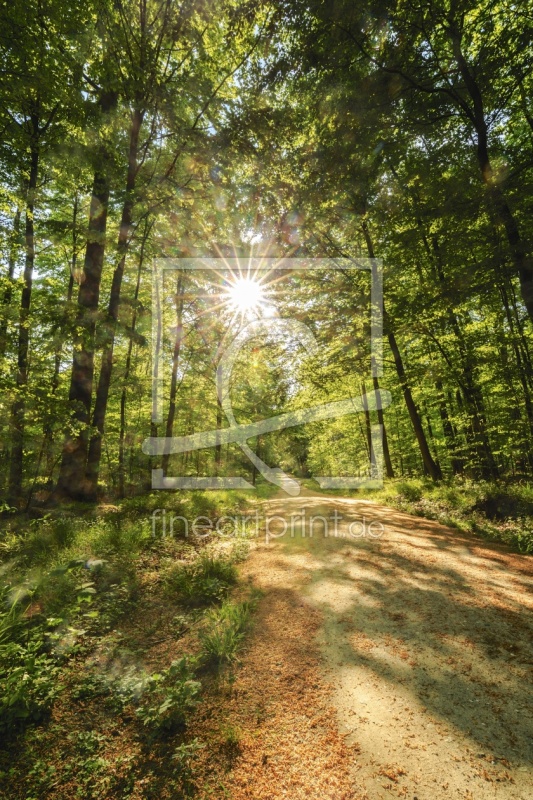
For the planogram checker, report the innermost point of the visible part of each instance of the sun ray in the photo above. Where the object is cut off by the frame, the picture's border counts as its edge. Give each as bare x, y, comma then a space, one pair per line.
245, 295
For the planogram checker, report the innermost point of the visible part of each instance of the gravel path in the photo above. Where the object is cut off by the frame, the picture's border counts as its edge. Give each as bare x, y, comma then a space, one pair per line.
424, 639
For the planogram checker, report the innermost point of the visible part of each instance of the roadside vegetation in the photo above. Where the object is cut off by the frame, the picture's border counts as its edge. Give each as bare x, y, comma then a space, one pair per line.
109, 640
496, 511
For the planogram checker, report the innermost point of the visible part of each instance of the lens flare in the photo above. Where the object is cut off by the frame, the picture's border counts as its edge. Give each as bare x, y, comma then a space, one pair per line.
246, 295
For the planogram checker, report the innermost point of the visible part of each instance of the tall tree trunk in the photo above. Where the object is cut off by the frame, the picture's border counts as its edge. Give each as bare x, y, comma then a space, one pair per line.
18, 409
449, 431
122, 434
218, 446
48, 426
368, 431
524, 101
399, 441
519, 251
476, 432
71, 482
381, 419
8, 290
473, 396
523, 367
430, 466
169, 429
104, 379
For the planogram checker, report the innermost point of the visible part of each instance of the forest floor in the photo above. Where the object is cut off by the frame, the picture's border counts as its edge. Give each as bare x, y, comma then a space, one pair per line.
390, 666
388, 660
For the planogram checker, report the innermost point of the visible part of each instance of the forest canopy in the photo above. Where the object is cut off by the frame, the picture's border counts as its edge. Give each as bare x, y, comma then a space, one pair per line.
142, 130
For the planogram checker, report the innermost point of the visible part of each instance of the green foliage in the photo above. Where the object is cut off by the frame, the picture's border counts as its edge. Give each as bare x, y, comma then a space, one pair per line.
224, 630
28, 684
493, 510
90, 686
169, 697
183, 758
116, 535
45, 539
499, 502
231, 736
205, 580
411, 491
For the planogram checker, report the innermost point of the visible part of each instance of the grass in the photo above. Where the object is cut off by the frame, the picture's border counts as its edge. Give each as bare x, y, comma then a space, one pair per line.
496, 511
86, 599
205, 580
224, 630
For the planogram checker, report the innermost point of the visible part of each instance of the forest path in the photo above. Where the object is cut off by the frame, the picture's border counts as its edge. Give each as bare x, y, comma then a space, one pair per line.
426, 640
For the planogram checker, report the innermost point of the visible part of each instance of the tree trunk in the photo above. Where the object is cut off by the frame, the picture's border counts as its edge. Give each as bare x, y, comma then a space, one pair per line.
449, 432
523, 367
218, 446
476, 433
430, 466
104, 379
122, 434
368, 433
48, 430
175, 363
477, 437
8, 290
381, 419
71, 482
519, 251
18, 409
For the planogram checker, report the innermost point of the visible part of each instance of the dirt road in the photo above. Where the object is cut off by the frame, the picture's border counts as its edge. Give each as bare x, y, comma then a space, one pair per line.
426, 641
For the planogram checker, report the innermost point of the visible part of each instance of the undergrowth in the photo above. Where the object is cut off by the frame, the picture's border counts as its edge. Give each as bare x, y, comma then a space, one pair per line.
496, 511
78, 594
224, 631
205, 580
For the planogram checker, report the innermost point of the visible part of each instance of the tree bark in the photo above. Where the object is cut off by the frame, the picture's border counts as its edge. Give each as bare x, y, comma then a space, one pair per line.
431, 467
175, 363
71, 482
8, 290
104, 380
18, 409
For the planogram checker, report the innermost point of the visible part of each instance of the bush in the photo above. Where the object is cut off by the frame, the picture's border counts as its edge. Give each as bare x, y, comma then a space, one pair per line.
183, 758
500, 503
28, 684
27, 675
224, 632
170, 696
45, 539
117, 535
90, 686
411, 491
205, 580
498, 511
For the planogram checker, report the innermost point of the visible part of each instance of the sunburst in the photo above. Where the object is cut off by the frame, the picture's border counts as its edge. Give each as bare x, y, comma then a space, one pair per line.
246, 296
